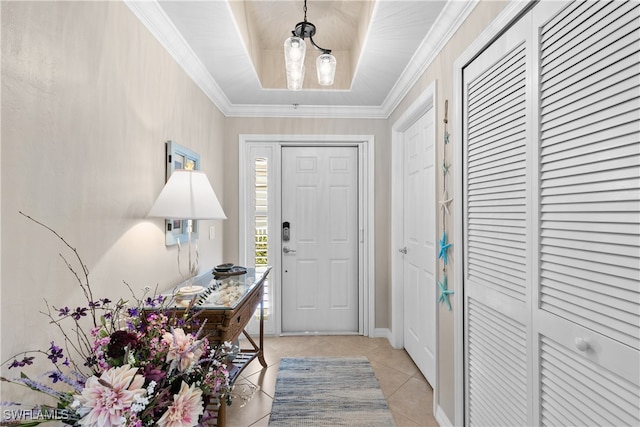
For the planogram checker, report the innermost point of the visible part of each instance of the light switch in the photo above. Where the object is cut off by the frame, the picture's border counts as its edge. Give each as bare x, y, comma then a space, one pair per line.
212, 232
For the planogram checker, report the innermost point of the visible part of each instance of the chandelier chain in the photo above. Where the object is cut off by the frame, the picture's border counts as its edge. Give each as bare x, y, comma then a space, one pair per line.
305, 10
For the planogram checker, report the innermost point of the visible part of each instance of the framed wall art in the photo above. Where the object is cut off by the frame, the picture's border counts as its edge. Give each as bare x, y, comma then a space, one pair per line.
179, 157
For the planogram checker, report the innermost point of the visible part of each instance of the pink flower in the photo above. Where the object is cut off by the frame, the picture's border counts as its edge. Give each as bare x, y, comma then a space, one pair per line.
217, 378
109, 397
186, 409
183, 348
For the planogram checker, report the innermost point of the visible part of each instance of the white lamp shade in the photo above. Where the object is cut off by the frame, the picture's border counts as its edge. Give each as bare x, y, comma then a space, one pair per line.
187, 195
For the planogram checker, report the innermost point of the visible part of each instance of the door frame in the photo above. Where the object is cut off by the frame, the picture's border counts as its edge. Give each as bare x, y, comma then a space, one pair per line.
366, 215
424, 103
502, 22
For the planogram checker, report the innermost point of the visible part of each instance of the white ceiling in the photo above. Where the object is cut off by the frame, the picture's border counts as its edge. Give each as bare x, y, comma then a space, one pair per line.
229, 59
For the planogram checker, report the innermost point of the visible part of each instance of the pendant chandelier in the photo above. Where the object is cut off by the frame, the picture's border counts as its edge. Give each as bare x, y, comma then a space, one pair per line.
294, 52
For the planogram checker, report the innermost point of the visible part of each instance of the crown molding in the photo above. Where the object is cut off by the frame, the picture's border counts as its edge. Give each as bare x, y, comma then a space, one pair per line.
304, 111
448, 22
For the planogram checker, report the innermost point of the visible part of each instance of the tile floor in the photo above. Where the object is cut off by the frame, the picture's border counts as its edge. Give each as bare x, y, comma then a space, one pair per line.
408, 394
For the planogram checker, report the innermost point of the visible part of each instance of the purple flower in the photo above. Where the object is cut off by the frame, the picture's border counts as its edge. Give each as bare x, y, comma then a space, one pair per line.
66, 361
80, 311
63, 312
150, 301
80, 379
55, 353
94, 304
152, 373
39, 386
55, 376
59, 376
133, 312
107, 315
91, 361
25, 361
105, 301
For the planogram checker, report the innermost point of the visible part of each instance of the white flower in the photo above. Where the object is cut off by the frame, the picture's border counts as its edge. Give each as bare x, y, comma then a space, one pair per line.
106, 399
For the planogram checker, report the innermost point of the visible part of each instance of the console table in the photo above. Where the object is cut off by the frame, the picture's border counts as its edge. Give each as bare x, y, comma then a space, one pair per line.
228, 308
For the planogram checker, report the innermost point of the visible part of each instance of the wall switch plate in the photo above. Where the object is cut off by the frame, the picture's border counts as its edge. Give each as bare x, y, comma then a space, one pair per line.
212, 232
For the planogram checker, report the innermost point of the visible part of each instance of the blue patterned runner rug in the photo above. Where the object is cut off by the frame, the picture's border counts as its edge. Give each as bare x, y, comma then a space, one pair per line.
328, 391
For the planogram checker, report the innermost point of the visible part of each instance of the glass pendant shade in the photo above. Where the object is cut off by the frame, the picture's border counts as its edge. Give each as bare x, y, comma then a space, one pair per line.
294, 50
295, 76
326, 67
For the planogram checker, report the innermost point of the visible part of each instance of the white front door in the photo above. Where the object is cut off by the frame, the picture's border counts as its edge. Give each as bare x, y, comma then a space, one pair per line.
320, 257
419, 264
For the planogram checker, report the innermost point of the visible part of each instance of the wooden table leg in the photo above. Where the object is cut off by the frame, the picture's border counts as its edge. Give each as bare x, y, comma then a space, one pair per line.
261, 338
222, 414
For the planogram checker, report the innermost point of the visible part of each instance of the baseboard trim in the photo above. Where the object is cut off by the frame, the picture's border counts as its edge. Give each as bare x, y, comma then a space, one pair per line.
442, 418
381, 333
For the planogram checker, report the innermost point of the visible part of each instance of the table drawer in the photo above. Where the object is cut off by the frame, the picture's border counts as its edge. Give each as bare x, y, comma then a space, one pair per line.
241, 315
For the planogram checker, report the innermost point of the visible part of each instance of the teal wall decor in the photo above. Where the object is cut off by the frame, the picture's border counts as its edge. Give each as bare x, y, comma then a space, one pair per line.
444, 205
444, 292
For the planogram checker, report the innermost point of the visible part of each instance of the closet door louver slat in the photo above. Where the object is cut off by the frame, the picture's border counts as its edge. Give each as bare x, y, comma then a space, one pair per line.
590, 189
497, 361
496, 179
496, 241
589, 227
596, 396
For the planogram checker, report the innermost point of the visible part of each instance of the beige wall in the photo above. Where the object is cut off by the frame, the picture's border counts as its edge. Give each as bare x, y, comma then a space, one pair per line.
88, 99
441, 71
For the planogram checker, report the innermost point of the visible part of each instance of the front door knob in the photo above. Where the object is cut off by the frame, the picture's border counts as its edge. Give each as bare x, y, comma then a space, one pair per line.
287, 250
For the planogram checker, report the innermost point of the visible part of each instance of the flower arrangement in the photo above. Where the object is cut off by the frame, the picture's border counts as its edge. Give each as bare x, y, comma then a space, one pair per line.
125, 363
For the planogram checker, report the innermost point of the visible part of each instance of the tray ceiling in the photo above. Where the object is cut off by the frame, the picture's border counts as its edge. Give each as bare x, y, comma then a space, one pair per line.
233, 50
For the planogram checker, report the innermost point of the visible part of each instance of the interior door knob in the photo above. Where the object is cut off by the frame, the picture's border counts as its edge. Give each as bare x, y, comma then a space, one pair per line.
403, 250
581, 344
288, 250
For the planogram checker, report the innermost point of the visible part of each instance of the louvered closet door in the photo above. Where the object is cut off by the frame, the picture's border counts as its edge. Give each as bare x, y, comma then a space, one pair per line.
552, 220
497, 235
588, 314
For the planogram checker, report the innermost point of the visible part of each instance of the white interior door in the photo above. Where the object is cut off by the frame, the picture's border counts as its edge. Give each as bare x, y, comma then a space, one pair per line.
419, 264
320, 259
